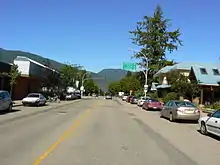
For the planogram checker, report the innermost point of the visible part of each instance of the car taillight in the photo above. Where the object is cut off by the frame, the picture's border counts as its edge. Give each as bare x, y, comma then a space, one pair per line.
179, 109
197, 111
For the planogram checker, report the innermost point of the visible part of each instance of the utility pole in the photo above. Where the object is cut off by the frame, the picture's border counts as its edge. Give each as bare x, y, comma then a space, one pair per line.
145, 71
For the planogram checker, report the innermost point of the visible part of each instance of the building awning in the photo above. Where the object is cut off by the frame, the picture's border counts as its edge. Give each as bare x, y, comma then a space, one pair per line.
154, 86
162, 86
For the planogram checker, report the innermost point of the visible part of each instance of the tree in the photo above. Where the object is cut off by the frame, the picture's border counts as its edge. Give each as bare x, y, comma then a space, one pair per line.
129, 82
183, 85
68, 74
152, 35
13, 74
114, 87
51, 78
91, 87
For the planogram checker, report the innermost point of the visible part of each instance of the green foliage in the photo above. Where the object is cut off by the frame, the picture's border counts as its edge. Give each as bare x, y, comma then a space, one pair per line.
68, 74
13, 74
139, 93
114, 88
153, 36
182, 85
153, 95
130, 82
170, 96
215, 105
91, 87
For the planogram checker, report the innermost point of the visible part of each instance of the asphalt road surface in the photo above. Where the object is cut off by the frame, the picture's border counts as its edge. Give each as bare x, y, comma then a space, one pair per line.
102, 132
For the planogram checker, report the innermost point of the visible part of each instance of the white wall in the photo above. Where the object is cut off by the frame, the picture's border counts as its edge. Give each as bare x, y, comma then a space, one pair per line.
23, 67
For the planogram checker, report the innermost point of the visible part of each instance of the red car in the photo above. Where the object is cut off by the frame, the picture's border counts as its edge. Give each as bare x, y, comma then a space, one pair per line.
152, 104
129, 99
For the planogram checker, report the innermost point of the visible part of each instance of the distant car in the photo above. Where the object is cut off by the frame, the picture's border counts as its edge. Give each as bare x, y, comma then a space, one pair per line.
71, 96
5, 101
152, 104
124, 98
210, 123
128, 99
78, 95
34, 99
108, 97
180, 110
133, 100
141, 101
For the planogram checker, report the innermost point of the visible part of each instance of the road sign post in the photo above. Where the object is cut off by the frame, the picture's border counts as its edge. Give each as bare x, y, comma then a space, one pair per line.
129, 66
131, 92
145, 90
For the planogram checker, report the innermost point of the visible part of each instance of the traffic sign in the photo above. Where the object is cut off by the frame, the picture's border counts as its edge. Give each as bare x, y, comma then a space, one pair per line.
82, 88
129, 66
77, 84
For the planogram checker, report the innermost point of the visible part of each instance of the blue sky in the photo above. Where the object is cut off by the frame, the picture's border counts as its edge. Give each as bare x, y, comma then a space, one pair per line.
94, 33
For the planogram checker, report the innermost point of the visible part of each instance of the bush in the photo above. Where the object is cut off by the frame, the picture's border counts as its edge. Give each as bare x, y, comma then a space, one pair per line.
215, 105
170, 96
153, 95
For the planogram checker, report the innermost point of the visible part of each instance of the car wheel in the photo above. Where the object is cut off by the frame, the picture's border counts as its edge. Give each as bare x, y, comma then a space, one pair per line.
203, 129
171, 117
9, 108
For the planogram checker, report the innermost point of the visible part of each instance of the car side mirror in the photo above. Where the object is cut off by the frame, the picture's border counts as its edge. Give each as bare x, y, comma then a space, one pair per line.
209, 114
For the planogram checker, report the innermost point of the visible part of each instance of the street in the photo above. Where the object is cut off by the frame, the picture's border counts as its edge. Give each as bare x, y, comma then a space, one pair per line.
101, 132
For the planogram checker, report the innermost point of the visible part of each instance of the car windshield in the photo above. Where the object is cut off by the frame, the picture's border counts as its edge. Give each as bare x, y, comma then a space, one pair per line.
152, 100
184, 104
33, 95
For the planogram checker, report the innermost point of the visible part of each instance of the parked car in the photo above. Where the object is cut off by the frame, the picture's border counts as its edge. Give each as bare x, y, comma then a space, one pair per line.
108, 97
183, 110
210, 123
34, 99
71, 96
124, 98
133, 100
141, 101
152, 104
128, 99
5, 101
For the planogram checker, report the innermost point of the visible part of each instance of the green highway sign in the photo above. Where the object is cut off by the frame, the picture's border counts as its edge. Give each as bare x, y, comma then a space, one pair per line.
129, 66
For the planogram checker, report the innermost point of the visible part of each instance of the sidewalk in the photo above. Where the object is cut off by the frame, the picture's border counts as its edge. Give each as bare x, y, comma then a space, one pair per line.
17, 103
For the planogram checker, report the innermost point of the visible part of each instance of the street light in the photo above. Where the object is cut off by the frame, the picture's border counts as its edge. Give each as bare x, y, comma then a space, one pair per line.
144, 71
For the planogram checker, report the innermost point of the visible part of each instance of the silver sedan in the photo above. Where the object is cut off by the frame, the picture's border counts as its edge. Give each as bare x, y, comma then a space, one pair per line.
180, 110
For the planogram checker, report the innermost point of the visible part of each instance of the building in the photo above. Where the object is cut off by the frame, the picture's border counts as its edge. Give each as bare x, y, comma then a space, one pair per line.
32, 75
207, 76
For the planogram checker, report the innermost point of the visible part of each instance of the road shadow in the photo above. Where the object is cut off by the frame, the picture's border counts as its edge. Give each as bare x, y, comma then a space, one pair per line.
7, 112
210, 136
187, 121
47, 104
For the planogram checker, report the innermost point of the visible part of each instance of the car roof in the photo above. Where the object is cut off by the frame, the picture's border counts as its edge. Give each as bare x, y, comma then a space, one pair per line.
2, 91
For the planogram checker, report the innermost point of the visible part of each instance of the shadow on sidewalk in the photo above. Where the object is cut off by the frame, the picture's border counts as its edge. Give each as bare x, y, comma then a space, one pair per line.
7, 112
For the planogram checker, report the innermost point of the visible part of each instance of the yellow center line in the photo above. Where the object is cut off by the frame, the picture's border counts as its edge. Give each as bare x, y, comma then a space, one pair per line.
63, 137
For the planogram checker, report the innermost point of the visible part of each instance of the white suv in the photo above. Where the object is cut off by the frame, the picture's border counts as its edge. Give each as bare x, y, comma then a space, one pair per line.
210, 123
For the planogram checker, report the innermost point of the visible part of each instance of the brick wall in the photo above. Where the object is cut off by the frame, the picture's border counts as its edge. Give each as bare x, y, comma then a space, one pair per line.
24, 86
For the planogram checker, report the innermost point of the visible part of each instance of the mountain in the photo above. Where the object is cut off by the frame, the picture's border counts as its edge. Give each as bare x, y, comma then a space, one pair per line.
106, 76
8, 56
102, 78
